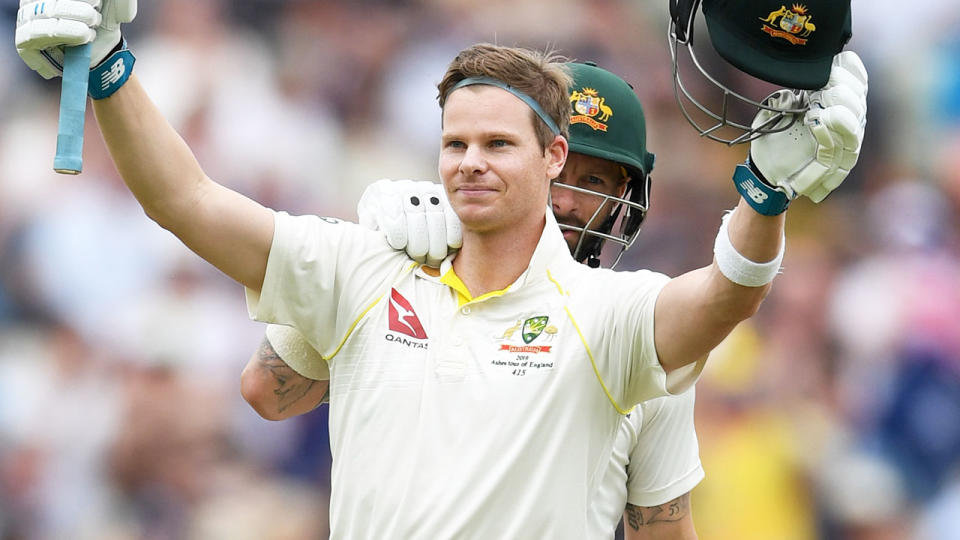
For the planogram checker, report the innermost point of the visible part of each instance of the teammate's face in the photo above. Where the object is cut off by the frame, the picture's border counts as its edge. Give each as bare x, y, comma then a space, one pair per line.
575, 208
493, 169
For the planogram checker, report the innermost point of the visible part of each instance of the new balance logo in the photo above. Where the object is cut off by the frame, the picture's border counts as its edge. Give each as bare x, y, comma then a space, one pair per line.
110, 77
753, 191
402, 318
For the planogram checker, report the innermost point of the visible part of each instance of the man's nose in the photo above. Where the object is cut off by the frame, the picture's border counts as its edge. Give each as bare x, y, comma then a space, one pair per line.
473, 161
563, 200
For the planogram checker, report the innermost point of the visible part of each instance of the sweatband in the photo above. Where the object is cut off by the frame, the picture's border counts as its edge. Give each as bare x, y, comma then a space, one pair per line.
766, 199
108, 76
740, 269
532, 103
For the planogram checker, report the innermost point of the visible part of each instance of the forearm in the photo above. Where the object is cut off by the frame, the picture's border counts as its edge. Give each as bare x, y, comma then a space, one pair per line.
154, 161
697, 310
227, 229
669, 521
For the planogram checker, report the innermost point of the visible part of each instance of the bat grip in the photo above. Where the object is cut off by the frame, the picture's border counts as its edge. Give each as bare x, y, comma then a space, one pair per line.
73, 107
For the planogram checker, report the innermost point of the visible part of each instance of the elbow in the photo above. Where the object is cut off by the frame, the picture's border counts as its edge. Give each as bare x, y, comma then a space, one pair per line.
258, 395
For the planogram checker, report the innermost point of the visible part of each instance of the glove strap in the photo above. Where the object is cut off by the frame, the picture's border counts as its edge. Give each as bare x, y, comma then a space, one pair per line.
759, 194
108, 76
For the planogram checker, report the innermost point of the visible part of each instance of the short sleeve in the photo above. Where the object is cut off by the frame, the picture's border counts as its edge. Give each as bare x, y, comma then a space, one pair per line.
322, 274
665, 459
296, 352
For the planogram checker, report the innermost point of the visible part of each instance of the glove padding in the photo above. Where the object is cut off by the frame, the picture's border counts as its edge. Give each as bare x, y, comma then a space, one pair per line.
44, 27
414, 216
814, 156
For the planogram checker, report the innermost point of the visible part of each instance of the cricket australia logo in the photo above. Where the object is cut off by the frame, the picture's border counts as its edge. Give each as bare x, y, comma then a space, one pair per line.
587, 104
791, 24
530, 330
403, 320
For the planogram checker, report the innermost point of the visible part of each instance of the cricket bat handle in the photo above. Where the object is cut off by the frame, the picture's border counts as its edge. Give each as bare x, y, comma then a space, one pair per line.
73, 108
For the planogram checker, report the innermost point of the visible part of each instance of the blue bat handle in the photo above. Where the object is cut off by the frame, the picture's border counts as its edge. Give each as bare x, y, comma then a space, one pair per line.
73, 108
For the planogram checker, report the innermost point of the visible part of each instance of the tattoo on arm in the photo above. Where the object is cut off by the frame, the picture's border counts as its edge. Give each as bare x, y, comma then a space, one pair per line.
290, 385
675, 510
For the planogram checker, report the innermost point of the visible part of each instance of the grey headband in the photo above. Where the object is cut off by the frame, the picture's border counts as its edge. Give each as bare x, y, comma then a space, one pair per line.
532, 103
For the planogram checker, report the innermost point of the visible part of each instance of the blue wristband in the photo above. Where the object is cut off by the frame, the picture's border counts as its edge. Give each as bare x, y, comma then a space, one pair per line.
111, 74
761, 196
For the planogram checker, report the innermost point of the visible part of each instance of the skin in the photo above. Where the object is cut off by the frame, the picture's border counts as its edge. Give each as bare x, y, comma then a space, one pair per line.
497, 179
575, 208
669, 521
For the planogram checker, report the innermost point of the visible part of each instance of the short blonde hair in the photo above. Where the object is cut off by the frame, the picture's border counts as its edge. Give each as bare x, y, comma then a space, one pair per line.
540, 75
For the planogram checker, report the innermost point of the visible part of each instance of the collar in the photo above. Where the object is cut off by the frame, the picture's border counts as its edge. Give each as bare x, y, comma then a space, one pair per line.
551, 251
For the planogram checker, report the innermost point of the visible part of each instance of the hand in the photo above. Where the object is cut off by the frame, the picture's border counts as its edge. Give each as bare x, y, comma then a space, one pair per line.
815, 155
414, 216
44, 27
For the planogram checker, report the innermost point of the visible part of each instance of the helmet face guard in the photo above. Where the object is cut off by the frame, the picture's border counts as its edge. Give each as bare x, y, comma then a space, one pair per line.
615, 223
724, 120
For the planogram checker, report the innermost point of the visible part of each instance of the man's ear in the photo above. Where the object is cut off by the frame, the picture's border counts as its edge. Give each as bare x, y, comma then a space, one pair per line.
556, 154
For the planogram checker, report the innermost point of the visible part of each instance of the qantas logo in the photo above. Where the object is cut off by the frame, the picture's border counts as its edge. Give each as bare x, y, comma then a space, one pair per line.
402, 317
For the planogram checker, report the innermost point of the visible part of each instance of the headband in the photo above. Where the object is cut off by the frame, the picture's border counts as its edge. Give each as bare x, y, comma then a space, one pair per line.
532, 103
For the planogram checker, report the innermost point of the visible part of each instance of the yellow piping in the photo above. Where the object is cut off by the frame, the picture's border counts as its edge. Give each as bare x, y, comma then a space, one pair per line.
594, 364
362, 314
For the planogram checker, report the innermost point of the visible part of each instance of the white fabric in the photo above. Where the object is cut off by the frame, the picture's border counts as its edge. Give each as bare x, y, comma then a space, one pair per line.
815, 155
294, 350
414, 216
45, 26
740, 269
473, 431
656, 458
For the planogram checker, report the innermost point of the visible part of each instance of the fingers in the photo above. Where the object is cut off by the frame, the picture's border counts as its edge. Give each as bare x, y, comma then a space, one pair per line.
452, 221
437, 249
418, 233
850, 62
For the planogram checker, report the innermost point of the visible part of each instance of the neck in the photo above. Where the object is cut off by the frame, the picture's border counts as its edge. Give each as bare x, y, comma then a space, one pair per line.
491, 261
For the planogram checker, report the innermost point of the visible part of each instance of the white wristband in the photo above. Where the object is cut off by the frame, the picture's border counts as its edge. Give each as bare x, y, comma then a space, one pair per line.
740, 269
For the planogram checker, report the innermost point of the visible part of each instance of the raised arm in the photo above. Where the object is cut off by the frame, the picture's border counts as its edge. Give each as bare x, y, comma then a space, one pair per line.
812, 157
227, 229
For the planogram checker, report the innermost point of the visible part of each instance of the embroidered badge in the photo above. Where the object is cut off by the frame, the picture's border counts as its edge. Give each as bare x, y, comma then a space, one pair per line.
587, 104
793, 25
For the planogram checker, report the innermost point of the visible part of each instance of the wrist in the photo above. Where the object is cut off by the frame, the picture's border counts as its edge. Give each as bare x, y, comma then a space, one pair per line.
113, 72
762, 196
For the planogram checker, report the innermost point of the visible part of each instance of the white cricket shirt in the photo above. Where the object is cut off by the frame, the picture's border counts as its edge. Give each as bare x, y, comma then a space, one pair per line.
656, 458
488, 418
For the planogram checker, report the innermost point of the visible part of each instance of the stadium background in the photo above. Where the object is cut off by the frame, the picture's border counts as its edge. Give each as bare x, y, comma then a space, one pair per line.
834, 413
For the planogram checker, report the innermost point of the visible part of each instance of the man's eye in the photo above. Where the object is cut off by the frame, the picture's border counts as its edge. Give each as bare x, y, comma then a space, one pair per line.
455, 144
595, 180
499, 143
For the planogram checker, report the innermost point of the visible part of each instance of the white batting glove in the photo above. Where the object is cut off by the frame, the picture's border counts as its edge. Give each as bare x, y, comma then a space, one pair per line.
815, 155
414, 216
44, 27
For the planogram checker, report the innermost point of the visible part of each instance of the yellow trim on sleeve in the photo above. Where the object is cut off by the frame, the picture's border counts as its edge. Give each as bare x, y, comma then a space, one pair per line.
350, 330
362, 315
594, 364
452, 280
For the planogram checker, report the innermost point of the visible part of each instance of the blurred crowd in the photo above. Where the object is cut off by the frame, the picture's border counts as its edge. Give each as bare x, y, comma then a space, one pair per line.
834, 413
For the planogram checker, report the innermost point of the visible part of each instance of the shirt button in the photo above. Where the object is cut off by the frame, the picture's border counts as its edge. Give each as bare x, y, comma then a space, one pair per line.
457, 342
465, 310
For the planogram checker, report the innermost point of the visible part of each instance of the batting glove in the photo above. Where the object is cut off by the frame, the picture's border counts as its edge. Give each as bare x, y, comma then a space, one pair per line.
414, 216
44, 27
814, 156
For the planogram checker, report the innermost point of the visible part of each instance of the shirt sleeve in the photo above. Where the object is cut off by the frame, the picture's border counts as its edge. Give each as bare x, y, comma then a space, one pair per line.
629, 329
665, 459
296, 352
322, 275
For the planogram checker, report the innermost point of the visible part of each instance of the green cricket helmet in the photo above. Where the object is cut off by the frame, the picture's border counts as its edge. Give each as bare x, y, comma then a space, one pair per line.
782, 43
607, 122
